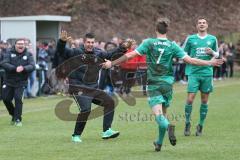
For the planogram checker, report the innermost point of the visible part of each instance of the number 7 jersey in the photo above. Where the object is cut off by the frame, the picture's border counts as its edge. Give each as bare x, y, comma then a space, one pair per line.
160, 53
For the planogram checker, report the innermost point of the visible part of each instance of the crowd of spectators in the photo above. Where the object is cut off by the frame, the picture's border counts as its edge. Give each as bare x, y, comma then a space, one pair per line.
119, 79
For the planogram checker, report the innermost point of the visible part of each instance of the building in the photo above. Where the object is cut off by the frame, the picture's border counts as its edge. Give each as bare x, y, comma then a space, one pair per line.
42, 27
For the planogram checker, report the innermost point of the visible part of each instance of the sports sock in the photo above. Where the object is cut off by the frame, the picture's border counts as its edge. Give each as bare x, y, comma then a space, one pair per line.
203, 113
188, 111
162, 127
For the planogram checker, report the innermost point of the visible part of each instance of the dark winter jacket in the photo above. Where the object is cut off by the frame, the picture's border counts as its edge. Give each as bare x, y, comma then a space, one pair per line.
11, 60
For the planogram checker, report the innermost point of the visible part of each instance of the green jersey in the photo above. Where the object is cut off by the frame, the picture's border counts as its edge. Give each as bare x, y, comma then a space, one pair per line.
195, 47
159, 56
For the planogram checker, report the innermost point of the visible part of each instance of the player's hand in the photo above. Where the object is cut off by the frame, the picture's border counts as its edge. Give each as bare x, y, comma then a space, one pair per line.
70, 40
107, 64
209, 51
64, 36
216, 62
19, 69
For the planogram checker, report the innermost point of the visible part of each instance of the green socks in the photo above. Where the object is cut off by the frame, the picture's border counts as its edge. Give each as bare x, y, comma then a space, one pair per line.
188, 111
162, 126
203, 113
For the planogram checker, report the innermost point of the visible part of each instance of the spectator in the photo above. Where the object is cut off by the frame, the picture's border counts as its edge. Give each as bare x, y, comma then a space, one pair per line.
32, 76
230, 56
42, 66
18, 63
128, 73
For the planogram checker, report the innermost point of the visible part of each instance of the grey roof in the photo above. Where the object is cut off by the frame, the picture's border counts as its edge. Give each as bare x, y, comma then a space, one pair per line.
38, 18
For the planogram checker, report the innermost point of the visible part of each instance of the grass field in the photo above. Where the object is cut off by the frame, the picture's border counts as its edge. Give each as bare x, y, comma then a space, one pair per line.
45, 137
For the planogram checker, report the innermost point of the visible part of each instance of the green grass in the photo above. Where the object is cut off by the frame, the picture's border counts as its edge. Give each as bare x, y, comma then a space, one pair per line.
45, 137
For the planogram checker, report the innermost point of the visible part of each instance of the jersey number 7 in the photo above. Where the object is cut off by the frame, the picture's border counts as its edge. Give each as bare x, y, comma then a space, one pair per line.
160, 55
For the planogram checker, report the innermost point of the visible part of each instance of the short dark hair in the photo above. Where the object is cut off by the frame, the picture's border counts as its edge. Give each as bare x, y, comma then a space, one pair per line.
89, 35
108, 44
162, 25
3, 42
19, 39
45, 44
201, 17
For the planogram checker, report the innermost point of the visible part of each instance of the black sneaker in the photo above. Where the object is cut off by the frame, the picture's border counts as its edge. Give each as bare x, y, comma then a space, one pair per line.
187, 131
157, 146
199, 130
171, 134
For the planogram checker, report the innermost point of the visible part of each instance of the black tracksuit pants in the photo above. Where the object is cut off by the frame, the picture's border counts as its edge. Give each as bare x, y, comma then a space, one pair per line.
84, 98
8, 94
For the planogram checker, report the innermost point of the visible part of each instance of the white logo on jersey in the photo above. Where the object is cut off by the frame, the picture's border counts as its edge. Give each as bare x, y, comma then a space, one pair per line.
162, 43
13, 55
209, 43
24, 57
195, 43
201, 52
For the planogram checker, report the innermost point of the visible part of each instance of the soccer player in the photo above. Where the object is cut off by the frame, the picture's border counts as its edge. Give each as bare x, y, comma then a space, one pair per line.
83, 82
201, 46
160, 53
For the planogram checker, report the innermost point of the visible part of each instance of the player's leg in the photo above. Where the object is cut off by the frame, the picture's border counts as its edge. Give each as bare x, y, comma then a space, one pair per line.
188, 111
193, 87
18, 98
84, 103
205, 88
203, 113
171, 129
159, 99
103, 99
203, 108
162, 122
7, 96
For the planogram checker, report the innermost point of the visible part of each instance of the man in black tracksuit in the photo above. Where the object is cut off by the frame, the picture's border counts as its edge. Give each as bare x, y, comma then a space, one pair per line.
17, 63
83, 82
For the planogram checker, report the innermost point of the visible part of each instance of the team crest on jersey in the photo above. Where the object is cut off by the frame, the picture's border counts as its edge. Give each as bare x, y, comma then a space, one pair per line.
13, 55
209, 43
24, 57
4, 86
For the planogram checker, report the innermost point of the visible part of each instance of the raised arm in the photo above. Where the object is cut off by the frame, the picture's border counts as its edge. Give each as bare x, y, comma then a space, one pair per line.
61, 46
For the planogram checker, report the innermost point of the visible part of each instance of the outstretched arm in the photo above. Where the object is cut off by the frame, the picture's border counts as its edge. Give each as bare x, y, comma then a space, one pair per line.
125, 57
199, 62
123, 48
